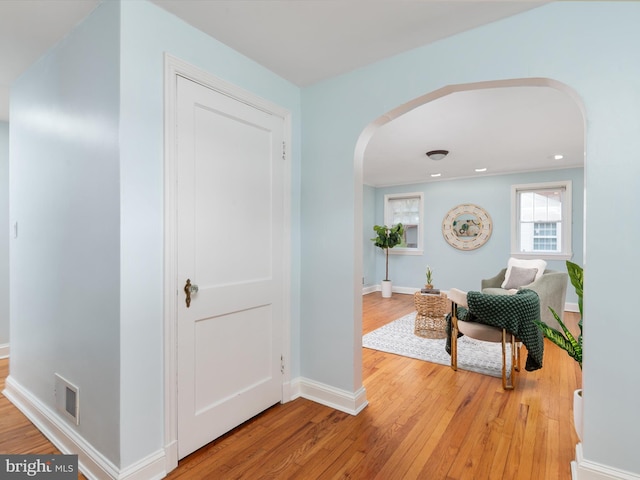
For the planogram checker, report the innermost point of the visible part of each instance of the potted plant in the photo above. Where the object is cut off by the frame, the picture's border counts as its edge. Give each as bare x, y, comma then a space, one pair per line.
567, 341
387, 237
429, 284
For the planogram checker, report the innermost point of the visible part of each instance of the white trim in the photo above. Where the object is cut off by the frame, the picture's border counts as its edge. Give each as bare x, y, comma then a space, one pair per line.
571, 307
64, 436
152, 467
582, 469
348, 402
405, 290
378, 288
173, 68
4, 350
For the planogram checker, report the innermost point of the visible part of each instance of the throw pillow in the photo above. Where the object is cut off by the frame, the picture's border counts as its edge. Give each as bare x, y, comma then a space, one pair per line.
538, 264
520, 276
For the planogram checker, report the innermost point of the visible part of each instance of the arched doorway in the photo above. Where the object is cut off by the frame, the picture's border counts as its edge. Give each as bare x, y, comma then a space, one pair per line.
370, 131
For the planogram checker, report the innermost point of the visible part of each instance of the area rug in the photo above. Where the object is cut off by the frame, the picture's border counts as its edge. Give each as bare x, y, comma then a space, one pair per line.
474, 355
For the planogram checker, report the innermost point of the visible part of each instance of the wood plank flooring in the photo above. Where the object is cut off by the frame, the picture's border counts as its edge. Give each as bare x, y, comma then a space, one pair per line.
423, 421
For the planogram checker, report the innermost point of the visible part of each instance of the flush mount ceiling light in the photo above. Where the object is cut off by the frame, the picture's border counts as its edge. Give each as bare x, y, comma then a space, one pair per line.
437, 154
483, 169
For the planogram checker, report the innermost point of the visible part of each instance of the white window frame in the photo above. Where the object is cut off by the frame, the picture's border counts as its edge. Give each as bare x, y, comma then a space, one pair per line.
419, 250
567, 220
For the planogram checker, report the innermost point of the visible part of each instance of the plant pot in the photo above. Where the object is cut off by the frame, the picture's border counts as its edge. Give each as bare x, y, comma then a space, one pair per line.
428, 286
386, 288
577, 412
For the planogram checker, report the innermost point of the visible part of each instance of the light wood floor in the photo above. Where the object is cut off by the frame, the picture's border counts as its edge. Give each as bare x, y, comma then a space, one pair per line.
423, 421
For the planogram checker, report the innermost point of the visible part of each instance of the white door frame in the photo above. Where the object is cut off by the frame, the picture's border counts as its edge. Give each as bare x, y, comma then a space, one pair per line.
174, 67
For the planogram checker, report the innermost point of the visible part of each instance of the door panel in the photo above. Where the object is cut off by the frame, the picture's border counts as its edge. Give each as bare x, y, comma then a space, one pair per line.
241, 369
230, 230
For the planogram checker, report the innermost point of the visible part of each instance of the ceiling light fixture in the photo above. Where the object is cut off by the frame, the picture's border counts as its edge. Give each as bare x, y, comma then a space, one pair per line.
479, 170
437, 154
434, 175
558, 157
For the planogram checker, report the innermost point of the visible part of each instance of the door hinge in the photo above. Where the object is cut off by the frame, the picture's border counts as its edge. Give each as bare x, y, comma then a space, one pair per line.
282, 364
284, 149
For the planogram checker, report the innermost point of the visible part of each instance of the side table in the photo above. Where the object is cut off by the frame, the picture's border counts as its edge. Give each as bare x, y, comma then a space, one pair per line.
431, 314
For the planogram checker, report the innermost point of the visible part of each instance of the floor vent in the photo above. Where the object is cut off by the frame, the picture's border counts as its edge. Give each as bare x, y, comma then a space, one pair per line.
67, 399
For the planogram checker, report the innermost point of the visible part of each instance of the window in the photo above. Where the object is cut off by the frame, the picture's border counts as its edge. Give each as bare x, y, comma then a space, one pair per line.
541, 223
405, 208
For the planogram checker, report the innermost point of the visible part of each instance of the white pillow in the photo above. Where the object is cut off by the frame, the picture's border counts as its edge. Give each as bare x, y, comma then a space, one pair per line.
540, 265
520, 276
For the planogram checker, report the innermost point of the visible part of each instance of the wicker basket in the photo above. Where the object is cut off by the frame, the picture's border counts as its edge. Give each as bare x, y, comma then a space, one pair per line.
431, 314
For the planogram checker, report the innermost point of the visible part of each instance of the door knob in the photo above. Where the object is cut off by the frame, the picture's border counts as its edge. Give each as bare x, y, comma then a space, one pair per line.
188, 290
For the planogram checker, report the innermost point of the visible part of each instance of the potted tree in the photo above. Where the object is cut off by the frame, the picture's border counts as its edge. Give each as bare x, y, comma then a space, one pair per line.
387, 237
567, 341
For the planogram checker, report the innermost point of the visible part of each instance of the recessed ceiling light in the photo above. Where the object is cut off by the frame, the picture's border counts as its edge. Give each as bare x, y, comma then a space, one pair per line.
558, 157
479, 170
434, 175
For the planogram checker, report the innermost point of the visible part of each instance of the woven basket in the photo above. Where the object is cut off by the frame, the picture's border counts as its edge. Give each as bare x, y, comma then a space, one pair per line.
431, 314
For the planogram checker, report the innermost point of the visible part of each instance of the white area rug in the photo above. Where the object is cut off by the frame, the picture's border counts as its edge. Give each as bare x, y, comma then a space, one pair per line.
473, 355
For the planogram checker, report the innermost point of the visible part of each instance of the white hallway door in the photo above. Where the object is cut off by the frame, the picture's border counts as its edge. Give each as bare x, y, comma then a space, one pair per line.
229, 243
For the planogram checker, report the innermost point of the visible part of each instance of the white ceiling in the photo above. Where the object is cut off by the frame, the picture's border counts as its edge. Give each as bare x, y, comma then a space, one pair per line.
28, 28
505, 130
306, 41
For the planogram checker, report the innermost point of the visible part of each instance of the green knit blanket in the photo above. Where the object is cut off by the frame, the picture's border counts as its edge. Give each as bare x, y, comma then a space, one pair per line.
514, 313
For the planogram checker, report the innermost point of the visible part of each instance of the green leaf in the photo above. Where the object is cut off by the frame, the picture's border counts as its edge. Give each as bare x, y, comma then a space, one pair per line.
567, 341
576, 275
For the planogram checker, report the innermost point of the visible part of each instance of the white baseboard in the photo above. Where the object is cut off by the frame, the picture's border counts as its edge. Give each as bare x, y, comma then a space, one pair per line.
377, 288
4, 350
151, 467
582, 469
370, 289
91, 463
571, 307
348, 402
288, 392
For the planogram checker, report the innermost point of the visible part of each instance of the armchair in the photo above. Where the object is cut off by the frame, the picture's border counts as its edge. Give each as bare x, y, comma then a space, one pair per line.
551, 287
502, 319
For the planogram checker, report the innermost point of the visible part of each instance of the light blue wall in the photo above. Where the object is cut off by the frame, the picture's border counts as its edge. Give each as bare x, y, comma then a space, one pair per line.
90, 215
370, 275
589, 46
4, 239
88, 152
147, 33
465, 269
65, 273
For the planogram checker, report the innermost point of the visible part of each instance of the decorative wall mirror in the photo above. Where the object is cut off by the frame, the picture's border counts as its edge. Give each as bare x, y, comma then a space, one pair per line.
467, 227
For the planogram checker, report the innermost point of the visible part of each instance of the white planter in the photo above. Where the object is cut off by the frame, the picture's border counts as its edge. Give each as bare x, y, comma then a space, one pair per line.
577, 412
386, 288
